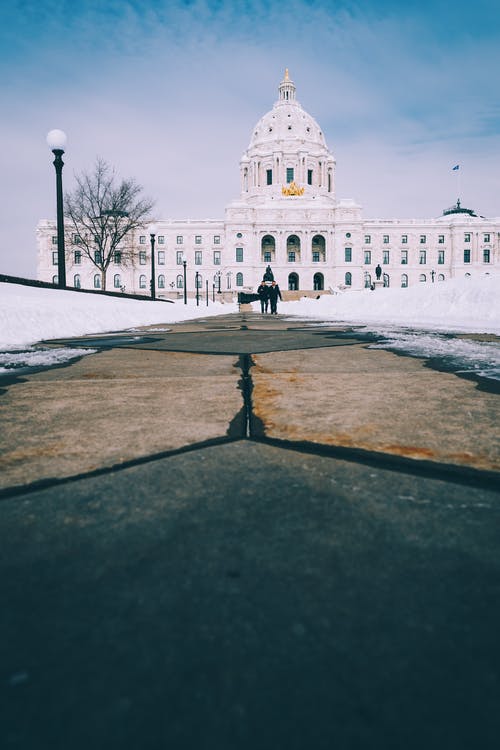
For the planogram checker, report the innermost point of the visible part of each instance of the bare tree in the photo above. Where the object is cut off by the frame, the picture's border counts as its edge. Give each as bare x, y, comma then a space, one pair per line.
104, 213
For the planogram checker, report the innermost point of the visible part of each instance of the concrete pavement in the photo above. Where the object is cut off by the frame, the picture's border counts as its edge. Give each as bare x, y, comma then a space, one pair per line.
246, 532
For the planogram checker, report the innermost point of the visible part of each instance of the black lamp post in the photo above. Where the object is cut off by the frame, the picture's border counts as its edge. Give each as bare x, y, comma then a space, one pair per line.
152, 235
433, 273
197, 282
218, 274
184, 263
56, 140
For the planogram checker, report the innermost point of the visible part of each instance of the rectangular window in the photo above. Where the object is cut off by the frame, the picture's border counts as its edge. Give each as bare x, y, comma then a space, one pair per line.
161, 257
180, 239
178, 257
78, 257
368, 239
440, 257
197, 257
217, 239
385, 257
466, 256
142, 239
386, 239
54, 239
348, 254
291, 256
441, 239
54, 258
423, 257
309, 177
142, 257
368, 257
467, 237
76, 239
486, 238
267, 257
239, 255
117, 258
486, 255
216, 257
404, 239
315, 256
161, 239
197, 239
423, 239
289, 174
404, 257
269, 176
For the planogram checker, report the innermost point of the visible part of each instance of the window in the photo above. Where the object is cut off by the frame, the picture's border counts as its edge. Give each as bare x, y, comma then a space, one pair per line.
197, 257
404, 239
289, 174
217, 239
368, 257
466, 256
291, 256
486, 255
348, 235
315, 256
440, 257
239, 279
441, 239
309, 177
239, 235
368, 280
54, 258
385, 257
386, 280
348, 279
161, 239
216, 257
441, 277
180, 282
423, 239
269, 176
117, 258
347, 254
423, 257
142, 257
197, 239
76, 281
404, 280
55, 279
178, 257
76, 239
54, 239
78, 257
267, 256
386, 239
467, 237
368, 239
239, 255
161, 281
117, 281
142, 239
486, 238
198, 280
180, 239
142, 281
404, 257
97, 281
422, 277
161, 257
97, 257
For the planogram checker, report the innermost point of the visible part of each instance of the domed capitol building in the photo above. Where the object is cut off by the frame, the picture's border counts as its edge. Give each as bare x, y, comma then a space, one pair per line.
287, 216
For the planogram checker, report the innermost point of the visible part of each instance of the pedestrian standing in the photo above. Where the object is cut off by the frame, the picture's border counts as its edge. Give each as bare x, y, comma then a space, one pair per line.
274, 293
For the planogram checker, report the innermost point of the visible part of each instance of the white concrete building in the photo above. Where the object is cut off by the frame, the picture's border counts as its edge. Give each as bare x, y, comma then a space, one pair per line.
288, 216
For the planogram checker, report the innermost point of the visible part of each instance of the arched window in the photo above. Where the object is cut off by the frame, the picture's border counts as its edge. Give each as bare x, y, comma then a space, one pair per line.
348, 279
318, 282
77, 281
198, 280
318, 248
142, 281
239, 279
293, 248
161, 281
117, 281
422, 277
268, 249
386, 279
368, 280
97, 281
404, 280
441, 277
293, 281
467, 274
55, 279
180, 282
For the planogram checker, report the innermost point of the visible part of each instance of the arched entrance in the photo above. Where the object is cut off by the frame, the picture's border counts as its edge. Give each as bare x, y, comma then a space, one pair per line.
293, 281
318, 282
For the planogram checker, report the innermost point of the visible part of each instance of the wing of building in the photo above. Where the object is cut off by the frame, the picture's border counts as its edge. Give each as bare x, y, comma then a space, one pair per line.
287, 216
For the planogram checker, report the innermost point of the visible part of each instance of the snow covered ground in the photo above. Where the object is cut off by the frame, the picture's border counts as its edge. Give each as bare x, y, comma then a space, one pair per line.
416, 320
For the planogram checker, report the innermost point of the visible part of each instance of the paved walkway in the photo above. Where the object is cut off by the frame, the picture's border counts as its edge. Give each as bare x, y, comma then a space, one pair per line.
246, 532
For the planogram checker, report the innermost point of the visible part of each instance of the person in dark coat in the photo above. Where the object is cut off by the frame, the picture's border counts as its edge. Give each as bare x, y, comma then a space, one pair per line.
378, 272
274, 293
263, 292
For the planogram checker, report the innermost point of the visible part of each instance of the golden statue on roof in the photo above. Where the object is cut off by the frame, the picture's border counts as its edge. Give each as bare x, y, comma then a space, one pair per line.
292, 189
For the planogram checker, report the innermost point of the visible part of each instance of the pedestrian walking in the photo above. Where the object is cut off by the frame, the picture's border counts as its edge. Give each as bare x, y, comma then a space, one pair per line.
263, 292
274, 293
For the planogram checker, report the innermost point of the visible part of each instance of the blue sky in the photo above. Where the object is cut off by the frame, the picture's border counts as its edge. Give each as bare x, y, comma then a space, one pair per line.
169, 92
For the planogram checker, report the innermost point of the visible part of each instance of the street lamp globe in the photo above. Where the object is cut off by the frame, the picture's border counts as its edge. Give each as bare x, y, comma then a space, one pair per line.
153, 229
56, 140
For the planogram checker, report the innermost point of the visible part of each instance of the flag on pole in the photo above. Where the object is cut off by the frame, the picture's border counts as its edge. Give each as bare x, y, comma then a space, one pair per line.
457, 166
